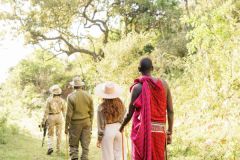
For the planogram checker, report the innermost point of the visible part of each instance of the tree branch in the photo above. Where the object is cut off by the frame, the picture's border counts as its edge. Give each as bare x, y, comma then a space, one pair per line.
186, 6
54, 56
97, 22
71, 49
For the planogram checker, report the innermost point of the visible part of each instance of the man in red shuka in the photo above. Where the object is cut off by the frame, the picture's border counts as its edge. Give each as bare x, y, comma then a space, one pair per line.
150, 106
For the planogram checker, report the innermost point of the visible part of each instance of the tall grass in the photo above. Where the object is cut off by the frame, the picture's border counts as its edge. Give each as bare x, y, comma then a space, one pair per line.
6, 130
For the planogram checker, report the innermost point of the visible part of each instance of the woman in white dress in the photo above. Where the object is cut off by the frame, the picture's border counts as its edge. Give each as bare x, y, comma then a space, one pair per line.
109, 117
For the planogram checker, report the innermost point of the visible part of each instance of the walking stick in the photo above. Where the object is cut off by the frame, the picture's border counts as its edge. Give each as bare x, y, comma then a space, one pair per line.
122, 147
166, 155
127, 140
67, 156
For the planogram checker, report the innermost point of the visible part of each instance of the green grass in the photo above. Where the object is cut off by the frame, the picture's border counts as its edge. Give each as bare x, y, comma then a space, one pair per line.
25, 147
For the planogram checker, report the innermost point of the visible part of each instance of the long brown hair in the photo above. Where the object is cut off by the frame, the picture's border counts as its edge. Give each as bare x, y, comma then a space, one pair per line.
112, 108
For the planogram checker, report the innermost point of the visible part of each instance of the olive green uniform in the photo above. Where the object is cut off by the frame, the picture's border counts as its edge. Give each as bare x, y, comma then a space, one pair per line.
79, 122
54, 107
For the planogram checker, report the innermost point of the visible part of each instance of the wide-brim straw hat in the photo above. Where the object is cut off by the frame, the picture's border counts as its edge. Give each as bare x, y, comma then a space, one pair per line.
108, 90
77, 82
55, 89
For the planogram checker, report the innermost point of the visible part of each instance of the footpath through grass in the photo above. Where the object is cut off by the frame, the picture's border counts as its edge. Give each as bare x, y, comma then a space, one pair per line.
25, 147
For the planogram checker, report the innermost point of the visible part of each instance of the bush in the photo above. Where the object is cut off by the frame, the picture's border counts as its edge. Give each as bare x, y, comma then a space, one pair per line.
6, 129
3, 130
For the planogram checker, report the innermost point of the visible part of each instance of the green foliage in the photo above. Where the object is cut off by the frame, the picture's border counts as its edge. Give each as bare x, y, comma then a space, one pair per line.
6, 129
214, 38
3, 130
200, 63
208, 99
32, 78
40, 70
144, 15
45, 21
122, 63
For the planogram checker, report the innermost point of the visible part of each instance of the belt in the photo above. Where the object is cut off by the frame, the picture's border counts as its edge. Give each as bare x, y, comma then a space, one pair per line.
53, 113
158, 127
113, 122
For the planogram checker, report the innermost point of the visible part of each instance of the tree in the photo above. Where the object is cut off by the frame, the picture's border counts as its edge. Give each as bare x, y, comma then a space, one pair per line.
64, 26
37, 71
143, 15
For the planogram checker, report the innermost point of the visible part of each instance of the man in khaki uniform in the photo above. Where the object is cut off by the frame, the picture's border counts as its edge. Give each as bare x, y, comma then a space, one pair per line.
79, 119
54, 107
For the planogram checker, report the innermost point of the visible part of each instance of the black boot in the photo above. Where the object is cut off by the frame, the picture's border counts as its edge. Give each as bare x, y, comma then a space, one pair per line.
50, 151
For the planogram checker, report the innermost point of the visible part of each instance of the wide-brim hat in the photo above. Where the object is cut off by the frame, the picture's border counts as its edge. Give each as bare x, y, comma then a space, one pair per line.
77, 82
108, 90
55, 89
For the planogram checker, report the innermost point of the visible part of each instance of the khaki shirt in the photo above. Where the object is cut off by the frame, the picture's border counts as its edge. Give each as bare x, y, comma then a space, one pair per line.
79, 107
54, 105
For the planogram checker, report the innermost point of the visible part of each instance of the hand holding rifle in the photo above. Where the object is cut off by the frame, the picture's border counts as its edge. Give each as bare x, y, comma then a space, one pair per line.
44, 127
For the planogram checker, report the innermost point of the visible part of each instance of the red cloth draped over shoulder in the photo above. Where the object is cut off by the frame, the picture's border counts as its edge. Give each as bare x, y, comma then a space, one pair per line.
151, 106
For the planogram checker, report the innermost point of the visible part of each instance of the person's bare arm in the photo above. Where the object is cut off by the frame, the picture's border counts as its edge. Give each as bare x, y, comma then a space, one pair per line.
137, 89
170, 112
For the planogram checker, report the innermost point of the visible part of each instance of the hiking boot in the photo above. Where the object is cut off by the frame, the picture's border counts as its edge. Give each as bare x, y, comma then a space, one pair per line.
50, 151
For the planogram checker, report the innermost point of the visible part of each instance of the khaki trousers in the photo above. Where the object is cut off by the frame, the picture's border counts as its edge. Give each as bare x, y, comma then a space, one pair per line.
55, 122
112, 143
80, 131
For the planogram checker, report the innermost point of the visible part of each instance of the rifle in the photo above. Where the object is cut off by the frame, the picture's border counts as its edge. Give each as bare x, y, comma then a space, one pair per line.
44, 131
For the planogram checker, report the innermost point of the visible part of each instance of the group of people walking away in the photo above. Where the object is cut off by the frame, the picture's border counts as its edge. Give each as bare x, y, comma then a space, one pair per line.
150, 109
